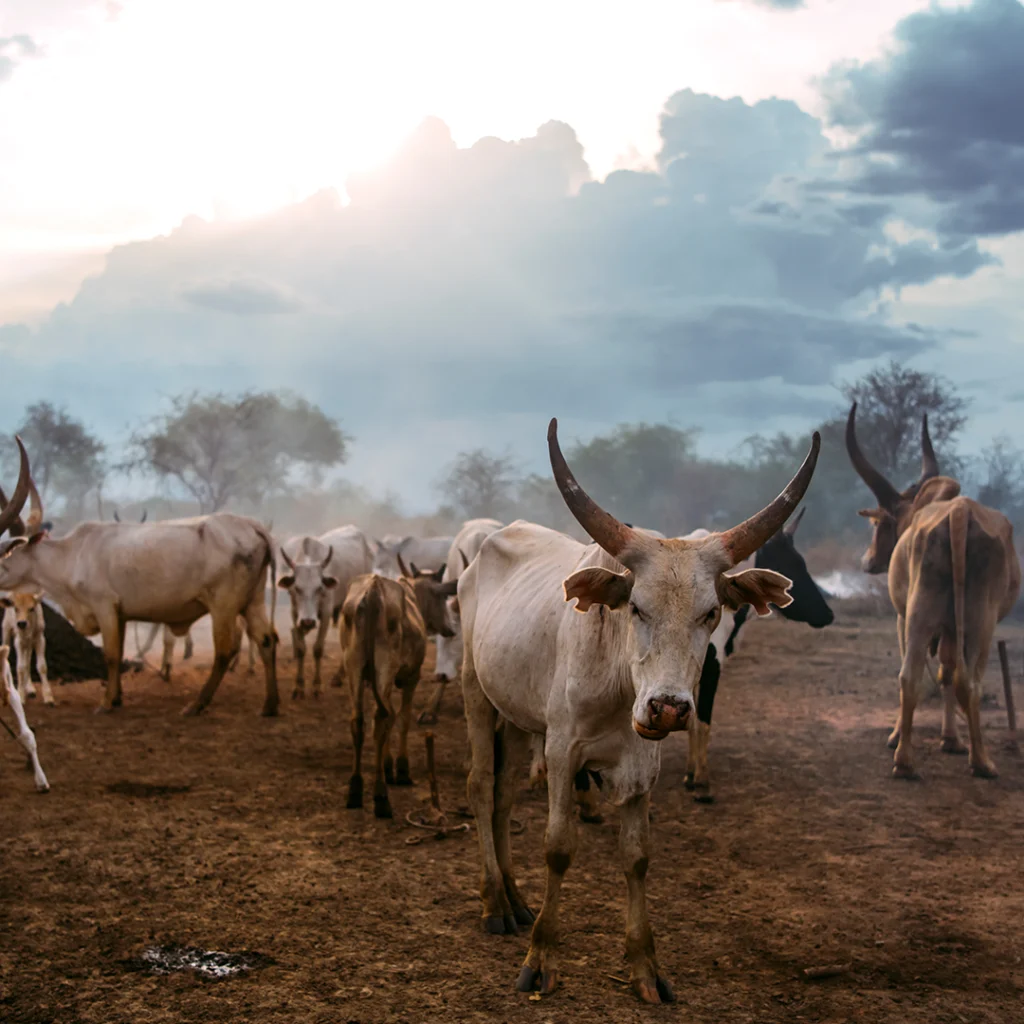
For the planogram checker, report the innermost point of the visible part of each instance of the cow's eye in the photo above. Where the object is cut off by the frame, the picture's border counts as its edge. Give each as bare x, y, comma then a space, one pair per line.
710, 617
636, 611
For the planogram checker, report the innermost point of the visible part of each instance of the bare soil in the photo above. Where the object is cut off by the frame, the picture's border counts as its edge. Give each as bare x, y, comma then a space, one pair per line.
229, 832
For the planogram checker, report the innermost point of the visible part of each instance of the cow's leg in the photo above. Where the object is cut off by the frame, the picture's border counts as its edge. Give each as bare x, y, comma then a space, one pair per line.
402, 776
355, 782
165, 664
901, 626
951, 743
26, 689
318, 650
541, 966
41, 667
263, 636
511, 749
968, 692
226, 641
538, 766
429, 717
383, 719
588, 797
698, 778
188, 646
915, 653
635, 849
299, 653
24, 734
481, 718
112, 631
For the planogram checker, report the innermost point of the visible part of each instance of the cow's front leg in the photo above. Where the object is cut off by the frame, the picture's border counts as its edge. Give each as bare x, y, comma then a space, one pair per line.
263, 636
299, 653
168, 657
541, 967
318, 650
41, 668
187, 653
24, 735
698, 778
635, 848
901, 638
26, 689
112, 630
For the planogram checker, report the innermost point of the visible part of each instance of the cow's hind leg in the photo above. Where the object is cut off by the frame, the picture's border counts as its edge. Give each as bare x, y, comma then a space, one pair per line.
541, 967
634, 849
951, 743
187, 653
511, 750
911, 672
408, 690
318, 651
429, 717
26, 688
383, 720
168, 656
698, 777
968, 692
481, 719
225, 646
41, 667
299, 653
356, 724
901, 638
263, 636
588, 798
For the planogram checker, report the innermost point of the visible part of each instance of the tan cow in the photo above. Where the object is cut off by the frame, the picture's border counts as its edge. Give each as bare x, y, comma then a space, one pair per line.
383, 632
601, 682
953, 575
104, 575
23, 627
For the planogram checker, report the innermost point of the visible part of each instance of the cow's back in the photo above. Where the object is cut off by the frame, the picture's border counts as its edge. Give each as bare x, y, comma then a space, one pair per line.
351, 556
468, 542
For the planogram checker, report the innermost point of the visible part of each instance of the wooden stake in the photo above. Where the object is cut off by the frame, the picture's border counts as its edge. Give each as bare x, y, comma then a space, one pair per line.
1011, 712
435, 796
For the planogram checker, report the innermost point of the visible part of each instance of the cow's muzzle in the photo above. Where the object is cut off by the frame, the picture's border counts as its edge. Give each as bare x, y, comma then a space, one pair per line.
306, 625
447, 632
22, 624
664, 715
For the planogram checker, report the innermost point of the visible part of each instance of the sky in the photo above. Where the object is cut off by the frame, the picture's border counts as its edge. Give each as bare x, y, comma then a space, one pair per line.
447, 222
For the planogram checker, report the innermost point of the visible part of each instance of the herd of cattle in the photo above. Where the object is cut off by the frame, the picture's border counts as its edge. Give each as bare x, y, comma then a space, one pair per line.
576, 658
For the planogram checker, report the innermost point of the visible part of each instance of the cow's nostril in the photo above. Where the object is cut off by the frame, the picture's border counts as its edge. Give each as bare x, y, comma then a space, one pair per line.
22, 625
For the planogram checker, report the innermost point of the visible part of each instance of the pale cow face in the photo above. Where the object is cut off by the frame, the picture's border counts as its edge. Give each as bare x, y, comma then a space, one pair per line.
308, 585
674, 590
25, 607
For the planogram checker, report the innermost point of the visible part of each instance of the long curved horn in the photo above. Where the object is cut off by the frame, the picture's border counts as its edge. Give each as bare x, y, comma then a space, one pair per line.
465, 560
612, 535
288, 561
790, 528
34, 523
11, 513
327, 561
402, 567
743, 540
929, 464
887, 495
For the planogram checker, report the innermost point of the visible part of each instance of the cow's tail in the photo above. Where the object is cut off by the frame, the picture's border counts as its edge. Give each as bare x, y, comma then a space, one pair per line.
959, 521
369, 610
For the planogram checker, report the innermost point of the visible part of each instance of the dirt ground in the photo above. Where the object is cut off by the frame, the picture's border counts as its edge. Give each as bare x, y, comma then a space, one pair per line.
811, 855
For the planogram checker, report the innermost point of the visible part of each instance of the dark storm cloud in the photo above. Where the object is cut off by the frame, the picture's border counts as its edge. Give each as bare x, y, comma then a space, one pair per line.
940, 116
13, 51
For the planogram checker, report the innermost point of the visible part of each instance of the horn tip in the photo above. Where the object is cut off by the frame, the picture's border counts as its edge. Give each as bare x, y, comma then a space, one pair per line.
553, 429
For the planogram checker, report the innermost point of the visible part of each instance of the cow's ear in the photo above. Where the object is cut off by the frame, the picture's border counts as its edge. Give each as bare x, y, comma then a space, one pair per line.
6, 602
329, 581
7, 546
449, 588
598, 586
36, 538
286, 582
757, 587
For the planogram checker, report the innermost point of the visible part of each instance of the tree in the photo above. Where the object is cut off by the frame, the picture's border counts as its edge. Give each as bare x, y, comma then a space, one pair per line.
1002, 478
222, 449
478, 484
890, 404
67, 461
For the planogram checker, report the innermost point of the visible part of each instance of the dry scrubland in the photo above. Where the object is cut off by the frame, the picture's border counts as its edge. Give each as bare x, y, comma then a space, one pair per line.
811, 855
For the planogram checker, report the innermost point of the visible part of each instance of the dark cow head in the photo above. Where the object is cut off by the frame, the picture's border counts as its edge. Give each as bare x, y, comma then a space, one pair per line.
780, 555
432, 597
895, 509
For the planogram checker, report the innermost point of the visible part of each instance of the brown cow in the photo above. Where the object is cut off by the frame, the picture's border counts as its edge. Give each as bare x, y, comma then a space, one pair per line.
953, 575
23, 628
383, 632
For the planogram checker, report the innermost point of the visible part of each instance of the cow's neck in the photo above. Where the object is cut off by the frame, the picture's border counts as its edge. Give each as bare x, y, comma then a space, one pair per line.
50, 570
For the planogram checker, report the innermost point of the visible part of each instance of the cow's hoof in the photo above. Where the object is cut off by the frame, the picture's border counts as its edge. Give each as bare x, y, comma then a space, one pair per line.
191, 710
269, 709
298, 693
905, 772
523, 915
984, 771
688, 780
592, 819
102, 709
382, 807
498, 925
355, 793
117, 701
43, 789
703, 798
337, 681
402, 776
51, 703
654, 991
531, 979
427, 718
29, 696
952, 745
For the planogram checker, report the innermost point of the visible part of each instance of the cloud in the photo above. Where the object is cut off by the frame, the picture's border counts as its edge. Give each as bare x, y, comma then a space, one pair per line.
464, 295
242, 297
775, 5
939, 116
14, 50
